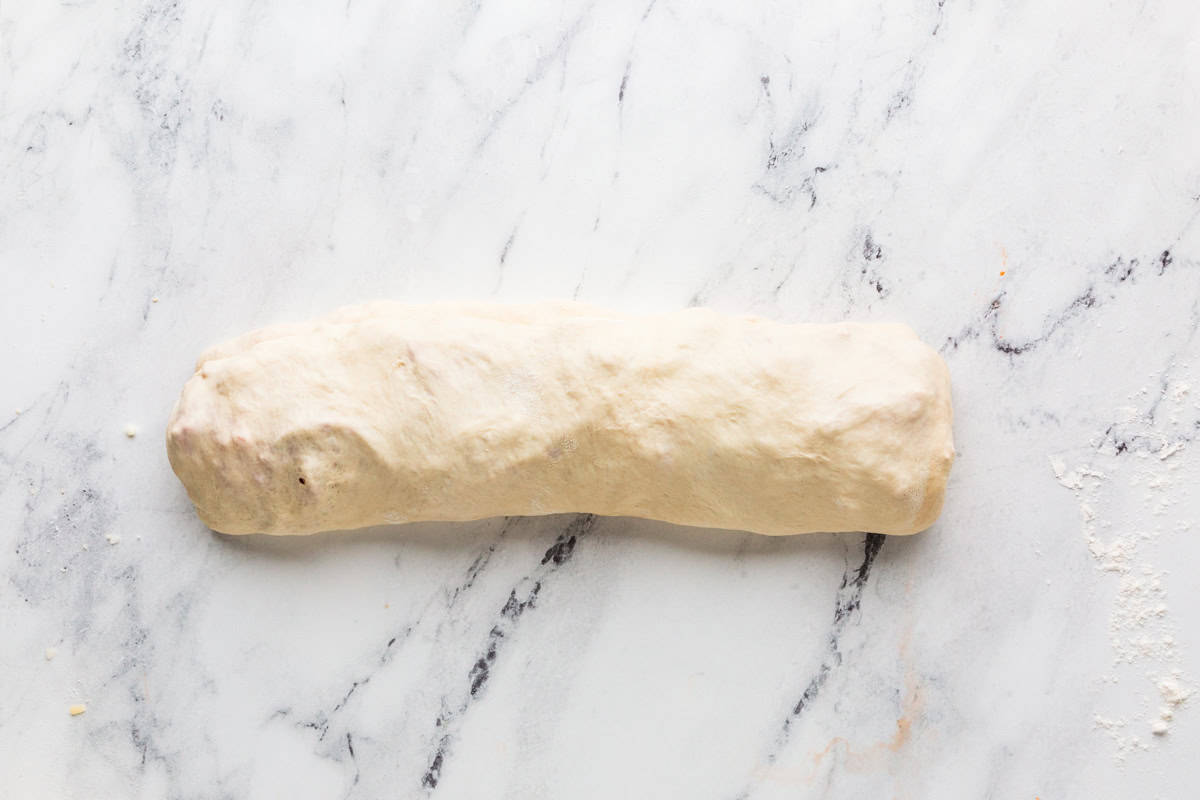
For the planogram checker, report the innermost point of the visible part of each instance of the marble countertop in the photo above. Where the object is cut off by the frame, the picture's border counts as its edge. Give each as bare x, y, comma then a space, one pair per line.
1018, 181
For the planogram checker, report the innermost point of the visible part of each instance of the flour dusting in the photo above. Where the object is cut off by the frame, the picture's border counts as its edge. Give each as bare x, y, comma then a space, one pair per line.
1149, 447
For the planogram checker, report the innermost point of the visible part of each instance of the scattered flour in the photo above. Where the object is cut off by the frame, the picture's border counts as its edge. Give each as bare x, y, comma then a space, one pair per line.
1113, 556
1138, 625
1125, 743
1141, 632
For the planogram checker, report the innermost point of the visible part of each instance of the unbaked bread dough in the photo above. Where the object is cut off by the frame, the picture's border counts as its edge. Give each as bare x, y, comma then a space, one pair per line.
390, 413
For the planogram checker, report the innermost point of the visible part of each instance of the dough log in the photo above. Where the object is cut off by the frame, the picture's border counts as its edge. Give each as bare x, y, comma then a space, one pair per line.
389, 413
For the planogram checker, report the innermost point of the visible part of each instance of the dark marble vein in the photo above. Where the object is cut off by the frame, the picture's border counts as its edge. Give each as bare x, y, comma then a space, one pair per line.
941, 13
785, 171
354, 761
1164, 261
522, 598
847, 601
871, 253
321, 720
1097, 293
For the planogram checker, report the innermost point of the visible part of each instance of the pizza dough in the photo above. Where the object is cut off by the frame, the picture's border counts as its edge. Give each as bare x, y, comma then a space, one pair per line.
390, 413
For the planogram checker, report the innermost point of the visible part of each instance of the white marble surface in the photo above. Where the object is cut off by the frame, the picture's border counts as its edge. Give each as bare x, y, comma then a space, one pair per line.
1020, 181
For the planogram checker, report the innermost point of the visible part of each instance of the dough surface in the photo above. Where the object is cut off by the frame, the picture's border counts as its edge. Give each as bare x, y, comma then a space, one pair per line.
391, 412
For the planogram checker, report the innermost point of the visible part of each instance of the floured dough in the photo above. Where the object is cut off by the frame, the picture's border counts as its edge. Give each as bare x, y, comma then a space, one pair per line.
392, 413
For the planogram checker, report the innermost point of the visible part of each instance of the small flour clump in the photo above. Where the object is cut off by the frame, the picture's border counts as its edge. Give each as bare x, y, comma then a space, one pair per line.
1174, 694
